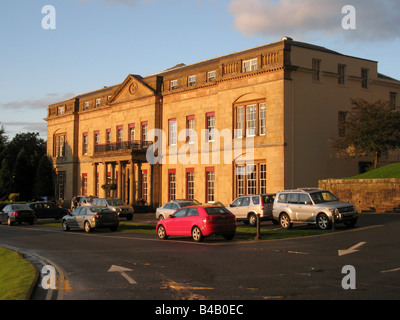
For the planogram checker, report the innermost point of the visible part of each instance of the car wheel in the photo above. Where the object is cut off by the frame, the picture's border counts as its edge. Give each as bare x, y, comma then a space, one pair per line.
9, 221
160, 217
130, 217
162, 234
65, 225
252, 219
284, 221
323, 222
88, 228
197, 235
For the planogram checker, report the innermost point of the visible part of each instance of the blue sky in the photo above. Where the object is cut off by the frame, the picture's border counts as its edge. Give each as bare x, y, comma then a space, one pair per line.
99, 42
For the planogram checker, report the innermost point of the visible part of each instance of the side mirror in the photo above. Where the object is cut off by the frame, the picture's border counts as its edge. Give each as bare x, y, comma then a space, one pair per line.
308, 202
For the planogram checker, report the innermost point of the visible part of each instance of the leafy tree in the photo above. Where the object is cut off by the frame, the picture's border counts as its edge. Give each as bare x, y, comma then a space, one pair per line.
19, 164
21, 174
44, 178
370, 129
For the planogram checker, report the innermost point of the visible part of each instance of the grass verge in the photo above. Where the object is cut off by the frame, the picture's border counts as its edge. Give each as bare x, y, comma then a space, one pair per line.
242, 232
16, 276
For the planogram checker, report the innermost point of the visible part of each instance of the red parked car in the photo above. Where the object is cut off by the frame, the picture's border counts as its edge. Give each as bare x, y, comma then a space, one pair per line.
198, 222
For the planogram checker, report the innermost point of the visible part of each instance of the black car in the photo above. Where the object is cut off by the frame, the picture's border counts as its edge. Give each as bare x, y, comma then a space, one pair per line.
44, 210
12, 213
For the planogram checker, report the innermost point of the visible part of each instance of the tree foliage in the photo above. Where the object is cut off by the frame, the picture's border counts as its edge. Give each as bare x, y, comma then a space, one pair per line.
21, 160
370, 129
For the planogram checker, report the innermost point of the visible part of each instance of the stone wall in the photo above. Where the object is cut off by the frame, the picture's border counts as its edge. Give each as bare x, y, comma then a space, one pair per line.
378, 195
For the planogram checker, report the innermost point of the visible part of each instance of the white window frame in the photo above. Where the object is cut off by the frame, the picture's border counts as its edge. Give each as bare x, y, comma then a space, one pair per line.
211, 75
173, 84
172, 132
250, 65
251, 120
192, 81
262, 118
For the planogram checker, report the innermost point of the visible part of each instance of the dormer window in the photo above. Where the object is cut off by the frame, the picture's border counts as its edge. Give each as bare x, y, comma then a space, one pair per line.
192, 81
250, 65
174, 84
61, 110
211, 76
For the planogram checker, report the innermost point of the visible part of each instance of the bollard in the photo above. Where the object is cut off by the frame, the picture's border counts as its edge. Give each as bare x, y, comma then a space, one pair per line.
258, 235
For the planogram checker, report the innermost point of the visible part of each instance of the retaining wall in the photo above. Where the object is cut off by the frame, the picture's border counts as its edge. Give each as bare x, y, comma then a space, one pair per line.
380, 195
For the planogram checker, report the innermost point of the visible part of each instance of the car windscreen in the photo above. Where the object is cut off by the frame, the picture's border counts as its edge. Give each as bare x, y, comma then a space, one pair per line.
20, 207
322, 196
184, 204
115, 202
99, 209
216, 210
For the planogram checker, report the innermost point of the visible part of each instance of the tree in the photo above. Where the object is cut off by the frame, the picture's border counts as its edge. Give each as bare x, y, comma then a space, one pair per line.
20, 160
44, 178
370, 129
20, 175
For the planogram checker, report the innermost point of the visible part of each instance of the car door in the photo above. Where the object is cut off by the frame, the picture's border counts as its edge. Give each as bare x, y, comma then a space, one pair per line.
81, 217
305, 209
244, 208
268, 205
52, 211
71, 218
38, 208
235, 207
3, 215
176, 223
292, 204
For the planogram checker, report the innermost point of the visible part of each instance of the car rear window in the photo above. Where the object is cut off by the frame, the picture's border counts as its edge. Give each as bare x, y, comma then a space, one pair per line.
216, 210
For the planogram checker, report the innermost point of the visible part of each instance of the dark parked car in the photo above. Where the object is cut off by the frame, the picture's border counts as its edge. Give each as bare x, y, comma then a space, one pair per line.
44, 209
90, 218
12, 213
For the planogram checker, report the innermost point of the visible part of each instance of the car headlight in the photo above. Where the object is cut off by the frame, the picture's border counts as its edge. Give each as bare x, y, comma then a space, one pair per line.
335, 212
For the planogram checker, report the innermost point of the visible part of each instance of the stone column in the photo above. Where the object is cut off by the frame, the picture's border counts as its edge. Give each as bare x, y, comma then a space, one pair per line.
119, 180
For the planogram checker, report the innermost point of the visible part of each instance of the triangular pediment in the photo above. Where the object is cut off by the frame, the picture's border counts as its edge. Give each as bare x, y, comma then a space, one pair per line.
132, 88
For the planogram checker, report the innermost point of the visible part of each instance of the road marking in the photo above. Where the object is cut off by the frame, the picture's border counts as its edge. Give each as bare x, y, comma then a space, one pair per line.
351, 250
392, 270
122, 271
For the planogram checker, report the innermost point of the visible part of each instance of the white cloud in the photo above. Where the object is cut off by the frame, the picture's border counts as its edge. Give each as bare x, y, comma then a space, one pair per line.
306, 19
40, 103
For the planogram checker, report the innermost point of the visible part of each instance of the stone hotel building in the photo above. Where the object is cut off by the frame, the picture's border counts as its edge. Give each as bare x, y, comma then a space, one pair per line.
255, 121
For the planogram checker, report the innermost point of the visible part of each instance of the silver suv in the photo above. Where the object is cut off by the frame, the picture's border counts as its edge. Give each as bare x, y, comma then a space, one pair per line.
116, 205
246, 208
313, 206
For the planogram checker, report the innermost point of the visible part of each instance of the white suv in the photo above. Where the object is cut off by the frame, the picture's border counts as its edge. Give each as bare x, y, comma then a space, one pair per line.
314, 206
246, 208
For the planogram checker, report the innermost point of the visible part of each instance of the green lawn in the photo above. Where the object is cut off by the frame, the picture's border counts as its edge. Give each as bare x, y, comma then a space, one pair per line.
16, 275
243, 232
385, 172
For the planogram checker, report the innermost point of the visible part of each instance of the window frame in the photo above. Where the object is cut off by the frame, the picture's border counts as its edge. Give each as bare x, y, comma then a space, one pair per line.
241, 129
172, 132
171, 184
210, 126
210, 184
252, 65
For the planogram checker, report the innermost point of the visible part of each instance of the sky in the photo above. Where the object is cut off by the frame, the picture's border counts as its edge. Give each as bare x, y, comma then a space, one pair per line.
47, 56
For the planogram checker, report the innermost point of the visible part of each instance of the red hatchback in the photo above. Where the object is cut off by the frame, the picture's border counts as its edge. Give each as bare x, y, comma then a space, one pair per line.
198, 222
